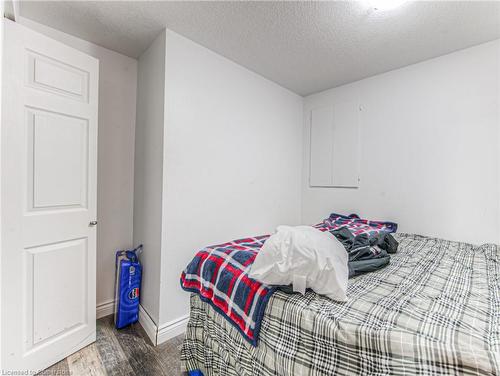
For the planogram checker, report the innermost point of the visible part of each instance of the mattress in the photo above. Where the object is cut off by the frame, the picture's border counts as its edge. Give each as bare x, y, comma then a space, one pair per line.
434, 310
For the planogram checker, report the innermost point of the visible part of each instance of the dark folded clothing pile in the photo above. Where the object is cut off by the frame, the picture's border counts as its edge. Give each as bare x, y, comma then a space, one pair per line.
368, 243
366, 253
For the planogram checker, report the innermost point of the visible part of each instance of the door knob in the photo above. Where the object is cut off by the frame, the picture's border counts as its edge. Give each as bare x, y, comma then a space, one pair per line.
93, 223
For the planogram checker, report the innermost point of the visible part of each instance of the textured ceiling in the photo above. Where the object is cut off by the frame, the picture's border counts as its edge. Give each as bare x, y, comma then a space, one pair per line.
304, 46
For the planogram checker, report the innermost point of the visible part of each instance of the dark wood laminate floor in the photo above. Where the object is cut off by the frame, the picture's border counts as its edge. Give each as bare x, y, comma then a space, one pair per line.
126, 351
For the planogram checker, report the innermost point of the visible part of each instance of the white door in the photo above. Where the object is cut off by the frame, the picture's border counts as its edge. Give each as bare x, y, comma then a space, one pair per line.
48, 200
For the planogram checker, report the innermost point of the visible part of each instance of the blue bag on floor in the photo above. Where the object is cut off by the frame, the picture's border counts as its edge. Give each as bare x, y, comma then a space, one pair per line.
127, 287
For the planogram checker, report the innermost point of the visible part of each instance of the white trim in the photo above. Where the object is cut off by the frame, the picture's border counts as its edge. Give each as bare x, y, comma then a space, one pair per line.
105, 309
148, 324
10, 10
17, 13
172, 329
156, 334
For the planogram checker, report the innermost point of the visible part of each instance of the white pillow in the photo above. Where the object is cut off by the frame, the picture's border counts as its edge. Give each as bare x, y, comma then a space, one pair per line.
305, 257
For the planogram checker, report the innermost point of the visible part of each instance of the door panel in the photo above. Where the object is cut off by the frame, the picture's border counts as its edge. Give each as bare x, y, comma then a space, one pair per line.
65, 287
57, 146
48, 198
57, 77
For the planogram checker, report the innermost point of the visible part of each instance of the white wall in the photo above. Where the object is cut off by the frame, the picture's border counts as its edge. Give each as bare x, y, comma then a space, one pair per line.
2, 10
429, 148
233, 146
115, 173
149, 170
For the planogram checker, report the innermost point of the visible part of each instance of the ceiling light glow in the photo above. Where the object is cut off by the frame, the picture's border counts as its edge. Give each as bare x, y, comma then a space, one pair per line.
383, 5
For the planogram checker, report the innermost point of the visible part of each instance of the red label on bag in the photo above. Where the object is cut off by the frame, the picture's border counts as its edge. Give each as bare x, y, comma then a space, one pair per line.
134, 293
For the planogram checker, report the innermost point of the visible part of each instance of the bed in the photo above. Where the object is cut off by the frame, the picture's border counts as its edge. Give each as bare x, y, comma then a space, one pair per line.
435, 309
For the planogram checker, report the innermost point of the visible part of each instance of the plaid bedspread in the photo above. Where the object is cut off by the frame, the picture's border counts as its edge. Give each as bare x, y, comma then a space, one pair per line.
435, 310
219, 274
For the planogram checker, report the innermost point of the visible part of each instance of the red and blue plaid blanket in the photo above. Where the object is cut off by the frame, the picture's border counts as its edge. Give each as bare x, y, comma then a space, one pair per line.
219, 274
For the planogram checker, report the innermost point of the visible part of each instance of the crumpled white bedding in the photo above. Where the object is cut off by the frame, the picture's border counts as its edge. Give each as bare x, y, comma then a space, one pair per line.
304, 257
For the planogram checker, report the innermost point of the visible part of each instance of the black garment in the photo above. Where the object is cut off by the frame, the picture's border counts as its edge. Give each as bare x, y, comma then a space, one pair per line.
368, 265
366, 253
390, 244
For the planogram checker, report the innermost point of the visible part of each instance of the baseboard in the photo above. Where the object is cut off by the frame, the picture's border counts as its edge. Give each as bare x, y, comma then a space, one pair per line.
156, 334
105, 309
148, 325
172, 329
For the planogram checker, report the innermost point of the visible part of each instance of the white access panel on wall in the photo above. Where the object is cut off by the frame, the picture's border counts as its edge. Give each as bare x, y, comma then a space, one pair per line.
48, 200
334, 145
